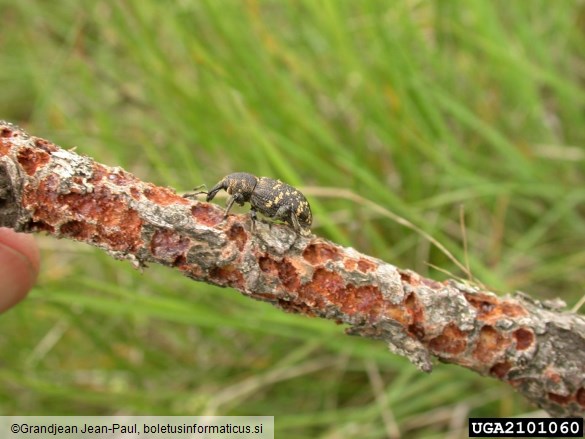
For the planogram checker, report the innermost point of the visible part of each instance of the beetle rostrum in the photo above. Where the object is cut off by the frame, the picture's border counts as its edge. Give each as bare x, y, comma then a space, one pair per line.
272, 198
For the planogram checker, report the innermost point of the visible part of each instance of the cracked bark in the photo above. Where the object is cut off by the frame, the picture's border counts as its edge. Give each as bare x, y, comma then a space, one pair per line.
534, 347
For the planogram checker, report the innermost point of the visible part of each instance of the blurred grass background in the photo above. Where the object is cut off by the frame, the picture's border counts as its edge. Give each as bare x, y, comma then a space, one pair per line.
421, 107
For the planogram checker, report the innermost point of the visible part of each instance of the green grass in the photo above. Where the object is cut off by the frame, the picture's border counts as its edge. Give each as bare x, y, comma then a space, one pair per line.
420, 107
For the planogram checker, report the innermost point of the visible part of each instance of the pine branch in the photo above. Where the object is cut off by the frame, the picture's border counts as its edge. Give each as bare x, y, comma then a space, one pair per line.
532, 346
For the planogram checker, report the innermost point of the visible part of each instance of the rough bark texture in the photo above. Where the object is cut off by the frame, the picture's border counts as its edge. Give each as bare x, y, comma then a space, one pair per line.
532, 346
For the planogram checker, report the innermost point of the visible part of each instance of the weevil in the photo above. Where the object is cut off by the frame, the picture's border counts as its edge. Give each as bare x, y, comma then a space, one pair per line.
272, 198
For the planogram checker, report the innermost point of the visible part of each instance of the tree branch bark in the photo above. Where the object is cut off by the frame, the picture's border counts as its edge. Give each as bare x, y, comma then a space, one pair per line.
532, 346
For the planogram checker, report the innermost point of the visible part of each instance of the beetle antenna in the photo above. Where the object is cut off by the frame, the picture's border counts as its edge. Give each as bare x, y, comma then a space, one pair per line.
196, 191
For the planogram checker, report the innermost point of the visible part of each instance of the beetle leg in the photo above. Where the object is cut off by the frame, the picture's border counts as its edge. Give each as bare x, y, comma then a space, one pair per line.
230, 203
239, 198
286, 214
235, 198
254, 217
295, 222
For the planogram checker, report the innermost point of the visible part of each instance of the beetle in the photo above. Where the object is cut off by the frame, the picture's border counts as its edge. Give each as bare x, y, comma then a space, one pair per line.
270, 197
